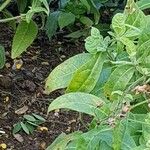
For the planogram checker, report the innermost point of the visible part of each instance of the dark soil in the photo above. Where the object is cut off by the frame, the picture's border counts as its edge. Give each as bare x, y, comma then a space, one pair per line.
24, 87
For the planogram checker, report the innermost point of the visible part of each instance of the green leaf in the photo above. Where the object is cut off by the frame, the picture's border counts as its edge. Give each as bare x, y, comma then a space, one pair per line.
22, 5
130, 46
134, 16
24, 127
146, 128
118, 23
65, 19
95, 43
118, 80
24, 36
87, 21
81, 102
94, 10
12, 23
2, 57
103, 77
38, 117
143, 4
61, 76
52, 23
29, 118
98, 135
17, 128
30, 126
86, 77
63, 140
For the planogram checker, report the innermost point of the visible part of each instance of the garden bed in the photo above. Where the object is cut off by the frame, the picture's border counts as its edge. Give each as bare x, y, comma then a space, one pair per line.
25, 86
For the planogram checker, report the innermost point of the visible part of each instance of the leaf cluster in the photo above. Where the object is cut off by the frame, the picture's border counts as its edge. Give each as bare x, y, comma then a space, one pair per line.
111, 83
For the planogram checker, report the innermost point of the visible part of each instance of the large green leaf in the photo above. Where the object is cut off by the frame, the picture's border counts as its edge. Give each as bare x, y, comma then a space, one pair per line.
63, 140
2, 57
86, 77
118, 80
65, 19
81, 102
24, 36
52, 23
143, 4
61, 76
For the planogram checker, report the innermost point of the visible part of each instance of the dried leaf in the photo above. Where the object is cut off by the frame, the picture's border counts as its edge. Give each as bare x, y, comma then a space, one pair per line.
22, 110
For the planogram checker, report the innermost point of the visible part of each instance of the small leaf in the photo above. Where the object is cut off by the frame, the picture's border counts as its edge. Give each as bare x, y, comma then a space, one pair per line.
65, 19
118, 23
87, 21
17, 128
52, 23
143, 4
29, 118
95, 43
24, 127
61, 76
2, 57
38, 117
81, 102
24, 36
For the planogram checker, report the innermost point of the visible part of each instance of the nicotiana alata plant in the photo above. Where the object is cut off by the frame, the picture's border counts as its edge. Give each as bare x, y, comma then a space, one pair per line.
111, 83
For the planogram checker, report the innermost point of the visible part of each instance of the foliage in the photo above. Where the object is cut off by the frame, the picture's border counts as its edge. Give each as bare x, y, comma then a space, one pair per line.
28, 124
27, 28
111, 84
84, 13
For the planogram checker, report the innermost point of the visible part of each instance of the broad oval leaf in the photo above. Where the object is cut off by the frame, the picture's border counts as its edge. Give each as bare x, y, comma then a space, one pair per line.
65, 19
81, 102
118, 80
2, 57
24, 36
86, 77
61, 76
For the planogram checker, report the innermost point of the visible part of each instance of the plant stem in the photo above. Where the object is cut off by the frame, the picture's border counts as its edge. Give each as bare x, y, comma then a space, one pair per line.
4, 4
12, 18
138, 104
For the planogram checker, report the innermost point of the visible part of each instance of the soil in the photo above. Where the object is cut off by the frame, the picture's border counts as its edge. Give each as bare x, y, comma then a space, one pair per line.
24, 88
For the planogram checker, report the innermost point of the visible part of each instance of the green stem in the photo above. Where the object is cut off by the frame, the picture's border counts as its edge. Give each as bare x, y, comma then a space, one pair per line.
4, 4
12, 18
138, 104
